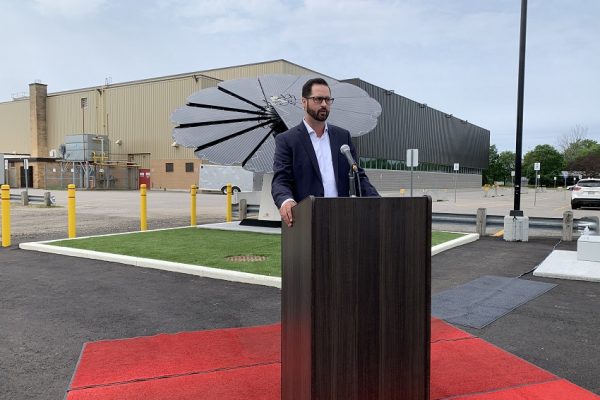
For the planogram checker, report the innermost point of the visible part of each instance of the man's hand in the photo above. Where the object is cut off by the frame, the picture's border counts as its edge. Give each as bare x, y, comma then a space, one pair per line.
286, 212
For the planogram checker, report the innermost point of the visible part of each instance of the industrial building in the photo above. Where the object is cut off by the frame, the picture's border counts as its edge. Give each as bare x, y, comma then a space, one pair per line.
118, 135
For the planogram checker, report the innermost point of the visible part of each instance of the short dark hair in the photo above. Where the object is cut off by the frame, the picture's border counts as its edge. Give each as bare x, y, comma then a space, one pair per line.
307, 88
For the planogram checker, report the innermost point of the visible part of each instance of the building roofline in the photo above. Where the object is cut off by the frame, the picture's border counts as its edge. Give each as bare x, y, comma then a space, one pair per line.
202, 73
392, 92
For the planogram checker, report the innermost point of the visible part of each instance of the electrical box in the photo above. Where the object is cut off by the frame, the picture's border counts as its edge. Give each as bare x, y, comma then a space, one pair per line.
516, 229
588, 248
86, 147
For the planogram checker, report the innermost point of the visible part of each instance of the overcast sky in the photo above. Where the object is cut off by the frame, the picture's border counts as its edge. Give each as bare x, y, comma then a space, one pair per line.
458, 56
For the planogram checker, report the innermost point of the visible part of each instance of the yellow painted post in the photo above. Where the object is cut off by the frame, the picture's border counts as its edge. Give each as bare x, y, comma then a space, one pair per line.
229, 211
193, 191
5, 215
143, 208
71, 211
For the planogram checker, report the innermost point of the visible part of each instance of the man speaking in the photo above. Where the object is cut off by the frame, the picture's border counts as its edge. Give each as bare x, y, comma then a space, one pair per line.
308, 160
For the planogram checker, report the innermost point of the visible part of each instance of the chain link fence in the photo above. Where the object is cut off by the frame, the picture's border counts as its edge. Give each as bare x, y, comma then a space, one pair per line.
85, 175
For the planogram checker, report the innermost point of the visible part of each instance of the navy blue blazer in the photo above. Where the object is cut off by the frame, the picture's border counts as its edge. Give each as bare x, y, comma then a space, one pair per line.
296, 170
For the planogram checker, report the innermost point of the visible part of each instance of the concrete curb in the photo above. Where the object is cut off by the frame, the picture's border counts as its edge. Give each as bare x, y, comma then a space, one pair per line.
197, 270
206, 272
467, 238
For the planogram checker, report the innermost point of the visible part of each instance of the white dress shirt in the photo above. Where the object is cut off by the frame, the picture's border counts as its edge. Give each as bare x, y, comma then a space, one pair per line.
323, 152
322, 149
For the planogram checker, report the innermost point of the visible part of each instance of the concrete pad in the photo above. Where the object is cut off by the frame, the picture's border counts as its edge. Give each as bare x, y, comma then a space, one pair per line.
564, 264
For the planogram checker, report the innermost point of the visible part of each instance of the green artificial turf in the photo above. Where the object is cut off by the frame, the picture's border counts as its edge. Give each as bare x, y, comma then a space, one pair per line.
441, 237
206, 247
195, 246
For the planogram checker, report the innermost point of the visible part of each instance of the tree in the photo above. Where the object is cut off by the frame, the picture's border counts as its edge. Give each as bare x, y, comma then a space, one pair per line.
506, 159
552, 163
588, 161
578, 149
493, 172
500, 166
577, 134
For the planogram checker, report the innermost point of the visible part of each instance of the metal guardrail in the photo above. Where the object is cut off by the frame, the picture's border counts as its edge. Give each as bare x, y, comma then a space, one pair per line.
471, 219
33, 198
498, 220
250, 208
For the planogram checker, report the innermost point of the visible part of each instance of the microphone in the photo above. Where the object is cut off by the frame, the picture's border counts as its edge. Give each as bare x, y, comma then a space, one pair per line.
345, 150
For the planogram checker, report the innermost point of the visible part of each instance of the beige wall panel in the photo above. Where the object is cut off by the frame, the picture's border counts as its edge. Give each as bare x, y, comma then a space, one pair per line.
178, 179
139, 116
14, 127
66, 117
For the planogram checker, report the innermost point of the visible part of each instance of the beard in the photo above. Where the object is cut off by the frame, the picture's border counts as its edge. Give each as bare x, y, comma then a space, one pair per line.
319, 115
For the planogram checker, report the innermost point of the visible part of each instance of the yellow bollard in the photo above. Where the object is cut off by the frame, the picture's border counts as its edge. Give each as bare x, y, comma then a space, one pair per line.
143, 208
193, 191
229, 211
5, 216
71, 211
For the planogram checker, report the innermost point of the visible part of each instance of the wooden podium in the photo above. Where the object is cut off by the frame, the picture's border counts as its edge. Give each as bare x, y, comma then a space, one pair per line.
356, 299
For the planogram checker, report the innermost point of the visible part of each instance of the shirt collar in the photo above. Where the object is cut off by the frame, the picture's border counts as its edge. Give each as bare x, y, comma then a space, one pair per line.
312, 132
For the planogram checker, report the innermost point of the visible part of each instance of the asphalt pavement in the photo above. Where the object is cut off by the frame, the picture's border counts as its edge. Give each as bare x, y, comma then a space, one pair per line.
50, 305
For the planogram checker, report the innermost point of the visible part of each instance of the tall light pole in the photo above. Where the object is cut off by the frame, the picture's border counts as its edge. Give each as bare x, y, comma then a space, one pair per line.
517, 212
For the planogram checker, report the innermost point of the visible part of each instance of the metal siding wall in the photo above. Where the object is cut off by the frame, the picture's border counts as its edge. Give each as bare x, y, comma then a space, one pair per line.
393, 181
137, 113
406, 124
14, 129
65, 117
140, 116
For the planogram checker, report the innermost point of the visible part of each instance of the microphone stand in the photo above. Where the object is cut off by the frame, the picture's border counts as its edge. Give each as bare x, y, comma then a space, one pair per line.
353, 179
351, 182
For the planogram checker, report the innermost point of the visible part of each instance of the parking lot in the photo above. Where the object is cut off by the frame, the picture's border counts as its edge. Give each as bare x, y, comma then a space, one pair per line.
102, 212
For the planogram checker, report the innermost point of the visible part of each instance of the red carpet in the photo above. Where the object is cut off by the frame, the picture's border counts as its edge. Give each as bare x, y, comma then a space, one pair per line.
245, 364
107, 362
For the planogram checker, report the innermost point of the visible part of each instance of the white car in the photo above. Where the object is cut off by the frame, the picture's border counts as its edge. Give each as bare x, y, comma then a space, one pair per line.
586, 193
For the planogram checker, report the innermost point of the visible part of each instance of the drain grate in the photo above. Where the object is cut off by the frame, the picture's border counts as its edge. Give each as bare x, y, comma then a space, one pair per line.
247, 258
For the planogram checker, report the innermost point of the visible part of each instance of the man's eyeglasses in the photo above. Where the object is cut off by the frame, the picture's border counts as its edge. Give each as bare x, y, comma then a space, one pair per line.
319, 99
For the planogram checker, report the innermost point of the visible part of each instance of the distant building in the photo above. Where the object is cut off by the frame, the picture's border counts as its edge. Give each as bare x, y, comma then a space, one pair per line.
116, 136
